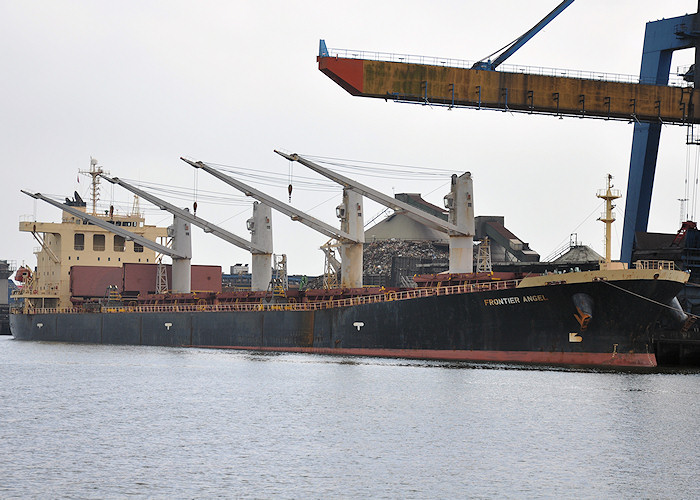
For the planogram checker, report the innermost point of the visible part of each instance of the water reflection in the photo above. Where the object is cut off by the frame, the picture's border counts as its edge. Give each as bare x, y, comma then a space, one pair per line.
113, 421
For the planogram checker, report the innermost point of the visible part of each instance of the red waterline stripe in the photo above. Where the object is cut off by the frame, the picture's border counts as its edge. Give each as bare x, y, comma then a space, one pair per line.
550, 358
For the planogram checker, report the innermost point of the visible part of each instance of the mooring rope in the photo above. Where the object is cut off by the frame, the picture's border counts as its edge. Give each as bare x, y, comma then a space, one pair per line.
648, 299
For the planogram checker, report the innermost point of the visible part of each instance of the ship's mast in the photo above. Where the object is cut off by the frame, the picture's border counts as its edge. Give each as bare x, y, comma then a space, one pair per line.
94, 172
608, 217
136, 207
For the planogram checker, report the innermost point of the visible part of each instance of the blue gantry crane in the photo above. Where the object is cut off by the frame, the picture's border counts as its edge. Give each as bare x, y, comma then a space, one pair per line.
661, 39
510, 49
648, 103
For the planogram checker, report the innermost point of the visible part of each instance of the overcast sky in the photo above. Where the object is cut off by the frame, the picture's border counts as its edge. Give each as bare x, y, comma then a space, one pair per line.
139, 84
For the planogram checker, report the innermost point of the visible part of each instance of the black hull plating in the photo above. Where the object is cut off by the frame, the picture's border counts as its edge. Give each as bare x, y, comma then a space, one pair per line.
536, 324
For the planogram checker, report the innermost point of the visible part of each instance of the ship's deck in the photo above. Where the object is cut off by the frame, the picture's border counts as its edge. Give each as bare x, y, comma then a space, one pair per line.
191, 302
413, 293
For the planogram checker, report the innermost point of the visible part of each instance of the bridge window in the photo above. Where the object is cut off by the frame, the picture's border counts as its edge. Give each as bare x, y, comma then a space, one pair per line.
79, 241
119, 243
138, 248
98, 242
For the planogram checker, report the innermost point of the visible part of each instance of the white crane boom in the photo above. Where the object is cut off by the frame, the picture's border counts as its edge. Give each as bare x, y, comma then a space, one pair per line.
294, 213
373, 194
99, 222
207, 226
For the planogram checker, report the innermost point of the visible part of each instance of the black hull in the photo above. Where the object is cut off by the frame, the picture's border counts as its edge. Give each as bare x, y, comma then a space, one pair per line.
4, 319
530, 325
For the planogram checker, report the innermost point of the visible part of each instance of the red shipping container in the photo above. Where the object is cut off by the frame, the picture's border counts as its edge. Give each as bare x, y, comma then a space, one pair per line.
93, 281
206, 279
141, 278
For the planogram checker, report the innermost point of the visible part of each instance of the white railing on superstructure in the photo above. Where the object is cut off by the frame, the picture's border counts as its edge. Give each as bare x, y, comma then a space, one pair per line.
667, 265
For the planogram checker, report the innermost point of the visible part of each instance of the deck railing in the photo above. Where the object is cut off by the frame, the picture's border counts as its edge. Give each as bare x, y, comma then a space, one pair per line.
675, 79
667, 265
388, 296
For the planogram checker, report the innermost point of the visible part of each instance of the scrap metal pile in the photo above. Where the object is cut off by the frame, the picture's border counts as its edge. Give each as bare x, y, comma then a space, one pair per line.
378, 255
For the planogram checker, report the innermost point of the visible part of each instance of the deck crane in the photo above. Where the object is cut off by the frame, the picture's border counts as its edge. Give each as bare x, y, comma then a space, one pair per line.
648, 103
180, 251
460, 225
259, 225
351, 236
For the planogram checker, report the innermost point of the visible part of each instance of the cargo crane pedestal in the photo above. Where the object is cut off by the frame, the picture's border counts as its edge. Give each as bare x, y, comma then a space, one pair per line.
260, 227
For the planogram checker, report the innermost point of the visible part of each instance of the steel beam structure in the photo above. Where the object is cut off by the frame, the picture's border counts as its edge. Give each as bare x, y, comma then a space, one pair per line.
661, 38
593, 96
649, 103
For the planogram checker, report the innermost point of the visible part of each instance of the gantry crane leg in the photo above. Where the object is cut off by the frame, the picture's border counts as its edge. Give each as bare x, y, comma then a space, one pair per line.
661, 38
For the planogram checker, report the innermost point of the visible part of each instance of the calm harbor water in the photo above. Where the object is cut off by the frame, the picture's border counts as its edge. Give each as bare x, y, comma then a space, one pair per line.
88, 421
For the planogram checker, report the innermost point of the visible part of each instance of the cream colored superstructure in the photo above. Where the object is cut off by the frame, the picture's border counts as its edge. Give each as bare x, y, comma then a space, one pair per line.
643, 270
72, 242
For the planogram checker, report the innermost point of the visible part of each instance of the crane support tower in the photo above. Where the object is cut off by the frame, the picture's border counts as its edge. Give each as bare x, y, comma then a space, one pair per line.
661, 39
460, 227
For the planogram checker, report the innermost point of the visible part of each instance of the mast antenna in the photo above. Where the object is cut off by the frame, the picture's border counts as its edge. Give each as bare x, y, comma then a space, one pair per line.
94, 173
608, 217
136, 206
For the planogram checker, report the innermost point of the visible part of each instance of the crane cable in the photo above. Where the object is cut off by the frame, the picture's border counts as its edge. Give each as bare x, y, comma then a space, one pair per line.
196, 189
667, 306
696, 160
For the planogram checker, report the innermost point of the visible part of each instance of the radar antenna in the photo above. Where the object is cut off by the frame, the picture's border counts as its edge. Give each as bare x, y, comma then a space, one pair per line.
94, 173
